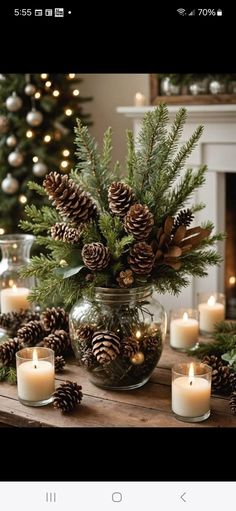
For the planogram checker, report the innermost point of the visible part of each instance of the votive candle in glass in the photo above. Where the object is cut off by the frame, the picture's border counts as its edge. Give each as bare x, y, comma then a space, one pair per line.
35, 376
211, 308
191, 391
184, 328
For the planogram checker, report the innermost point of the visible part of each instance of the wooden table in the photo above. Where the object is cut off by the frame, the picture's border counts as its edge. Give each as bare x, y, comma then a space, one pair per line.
149, 406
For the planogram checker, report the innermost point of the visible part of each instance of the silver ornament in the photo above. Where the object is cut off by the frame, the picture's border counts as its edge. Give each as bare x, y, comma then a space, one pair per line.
10, 184
34, 118
11, 141
199, 87
13, 103
15, 159
30, 89
217, 87
40, 169
168, 88
4, 124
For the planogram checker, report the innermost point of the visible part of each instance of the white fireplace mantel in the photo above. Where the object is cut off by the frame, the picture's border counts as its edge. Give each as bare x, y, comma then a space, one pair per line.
217, 150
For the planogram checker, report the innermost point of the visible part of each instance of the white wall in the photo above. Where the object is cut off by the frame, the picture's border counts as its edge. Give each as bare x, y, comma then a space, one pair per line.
110, 91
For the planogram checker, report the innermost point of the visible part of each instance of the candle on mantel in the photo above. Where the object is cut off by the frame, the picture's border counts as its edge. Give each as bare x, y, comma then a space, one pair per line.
35, 378
14, 298
183, 332
139, 99
191, 394
211, 313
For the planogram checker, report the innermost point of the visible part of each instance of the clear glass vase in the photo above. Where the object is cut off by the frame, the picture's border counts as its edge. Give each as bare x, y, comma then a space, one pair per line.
118, 336
14, 288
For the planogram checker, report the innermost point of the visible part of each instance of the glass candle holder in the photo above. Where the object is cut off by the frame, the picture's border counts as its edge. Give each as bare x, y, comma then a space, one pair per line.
184, 328
35, 376
191, 391
211, 308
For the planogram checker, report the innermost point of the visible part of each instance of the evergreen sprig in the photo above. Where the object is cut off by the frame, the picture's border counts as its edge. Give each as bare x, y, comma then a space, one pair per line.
8, 374
223, 343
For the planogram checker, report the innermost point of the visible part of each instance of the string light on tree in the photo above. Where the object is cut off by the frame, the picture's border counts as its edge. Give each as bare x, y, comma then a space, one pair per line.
2, 231
34, 117
64, 164
75, 92
71, 76
22, 199
48, 84
11, 141
13, 103
66, 152
68, 112
35, 159
10, 184
37, 95
56, 93
47, 139
44, 76
29, 134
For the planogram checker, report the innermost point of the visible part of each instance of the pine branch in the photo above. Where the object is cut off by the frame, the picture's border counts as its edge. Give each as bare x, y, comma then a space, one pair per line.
60, 250
183, 154
39, 266
107, 149
166, 280
131, 161
32, 185
8, 374
224, 341
41, 219
91, 234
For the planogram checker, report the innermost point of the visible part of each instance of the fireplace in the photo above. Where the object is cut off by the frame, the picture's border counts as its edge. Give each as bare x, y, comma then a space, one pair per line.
230, 246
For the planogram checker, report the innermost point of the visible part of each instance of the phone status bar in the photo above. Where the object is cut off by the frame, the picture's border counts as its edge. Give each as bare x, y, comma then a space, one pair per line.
56, 12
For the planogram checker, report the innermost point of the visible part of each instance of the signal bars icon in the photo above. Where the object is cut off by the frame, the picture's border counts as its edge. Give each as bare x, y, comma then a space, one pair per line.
192, 13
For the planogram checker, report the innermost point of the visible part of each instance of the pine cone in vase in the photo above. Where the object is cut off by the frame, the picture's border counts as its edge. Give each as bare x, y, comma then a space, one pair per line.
85, 333
120, 197
232, 402
232, 381
8, 351
67, 396
125, 278
12, 321
105, 346
88, 360
59, 363
58, 231
139, 222
68, 198
221, 372
184, 217
129, 347
55, 318
31, 333
141, 258
95, 256
58, 341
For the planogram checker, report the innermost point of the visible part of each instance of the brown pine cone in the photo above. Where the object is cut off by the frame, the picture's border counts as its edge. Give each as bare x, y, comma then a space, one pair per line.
67, 396
59, 364
88, 360
125, 278
141, 258
31, 333
58, 341
120, 197
232, 381
129, 347
184, 217
151, 344
72, 235
221, 374
139, 222
8, 351
105, 346
85, 333
232, 402
95, 256
58, 231
68, 198
12, 321
55, 318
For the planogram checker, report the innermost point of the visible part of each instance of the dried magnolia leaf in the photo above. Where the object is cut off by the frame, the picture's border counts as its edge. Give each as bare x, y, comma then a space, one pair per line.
179, 235
169, 222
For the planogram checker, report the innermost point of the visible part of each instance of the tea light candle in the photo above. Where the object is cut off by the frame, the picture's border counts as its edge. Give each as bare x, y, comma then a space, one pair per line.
35, 376
139, 99
210, 313
183, 332
13, 299
191, 393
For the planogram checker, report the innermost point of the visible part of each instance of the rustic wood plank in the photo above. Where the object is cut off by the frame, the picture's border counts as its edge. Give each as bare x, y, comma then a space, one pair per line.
201, 99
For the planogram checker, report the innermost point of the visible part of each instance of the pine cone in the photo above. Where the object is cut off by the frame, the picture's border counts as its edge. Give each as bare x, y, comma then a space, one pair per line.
8, 351
72, 235
141, 258
31, 333
67, 396
120, 197
221, 379
12, 321
58, 231
59, 364
58, 341
105, 346
139, 222
95, 256
125, 278
151, 344
68, 198
55, 318
185, 217
129, 347
232, 381
232, 402
85, 333
88, 360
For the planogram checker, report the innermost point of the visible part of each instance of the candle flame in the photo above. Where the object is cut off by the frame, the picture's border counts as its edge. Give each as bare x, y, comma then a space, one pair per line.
35, 359
11, 283
138, 334
14, 287
232, 280
185, 316
191, 370
211, 301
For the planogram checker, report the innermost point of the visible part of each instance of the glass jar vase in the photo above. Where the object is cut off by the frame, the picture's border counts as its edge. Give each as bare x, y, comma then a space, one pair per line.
118, 336
14, 288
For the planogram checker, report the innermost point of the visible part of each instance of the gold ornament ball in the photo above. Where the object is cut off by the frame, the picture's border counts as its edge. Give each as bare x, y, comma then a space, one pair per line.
4, 124
30, 89
34, 118
13, 103
138, 358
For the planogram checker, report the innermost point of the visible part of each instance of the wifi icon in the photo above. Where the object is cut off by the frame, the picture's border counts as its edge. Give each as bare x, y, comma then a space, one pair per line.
182, 12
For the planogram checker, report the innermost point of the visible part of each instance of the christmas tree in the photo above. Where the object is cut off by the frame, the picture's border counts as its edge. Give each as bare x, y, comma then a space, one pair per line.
37, 119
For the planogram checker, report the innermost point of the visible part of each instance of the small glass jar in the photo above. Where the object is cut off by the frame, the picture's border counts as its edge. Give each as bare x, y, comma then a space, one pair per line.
211, 308
35, 376
191, 391
14, 288
184, 329
118, 336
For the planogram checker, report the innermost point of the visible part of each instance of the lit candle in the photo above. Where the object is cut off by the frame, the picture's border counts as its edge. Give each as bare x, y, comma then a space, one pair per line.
191, 393
35, 376
183, 332
13, 299
139, 99
211, 313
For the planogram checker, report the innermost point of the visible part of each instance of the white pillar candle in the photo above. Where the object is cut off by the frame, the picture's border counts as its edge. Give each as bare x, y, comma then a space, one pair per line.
139, 99
211, 313
191, 395
13, 299
35, 380
183, 332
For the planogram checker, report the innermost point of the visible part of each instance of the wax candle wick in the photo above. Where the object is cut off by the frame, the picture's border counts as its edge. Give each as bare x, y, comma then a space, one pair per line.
191, 383
35, 366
